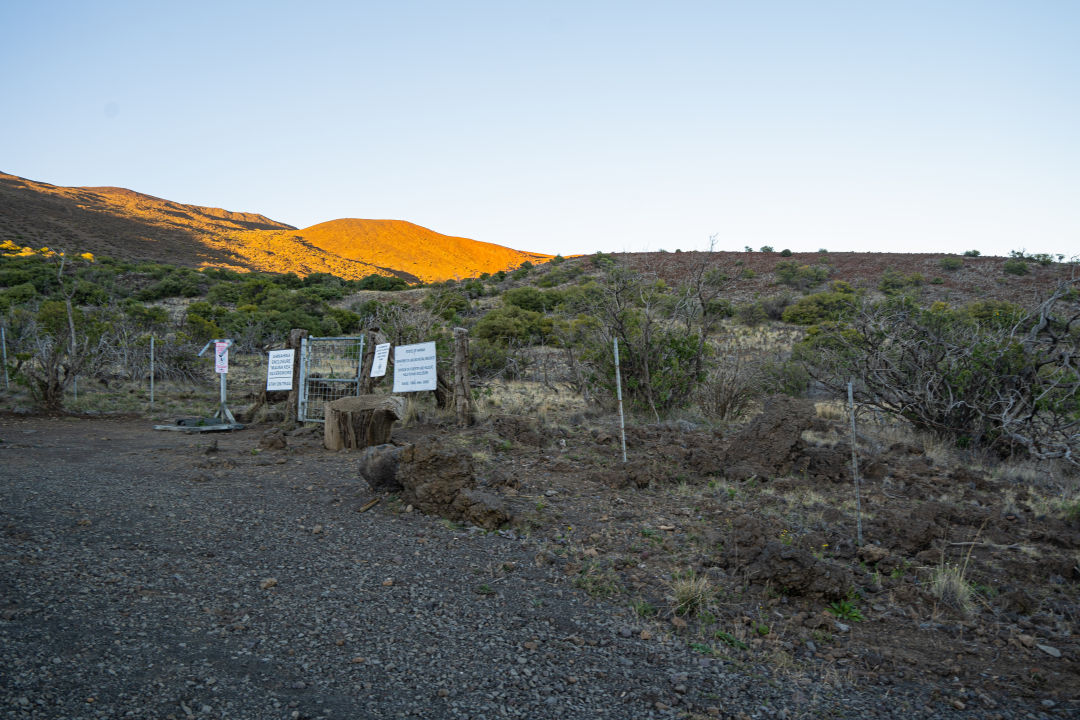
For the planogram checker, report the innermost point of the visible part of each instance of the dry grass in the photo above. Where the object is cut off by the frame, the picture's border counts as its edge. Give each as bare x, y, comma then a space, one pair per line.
949, 585
520, 397
689, 593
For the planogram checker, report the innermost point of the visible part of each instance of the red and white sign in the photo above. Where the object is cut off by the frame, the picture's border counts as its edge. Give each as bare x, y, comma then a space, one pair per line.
221, 357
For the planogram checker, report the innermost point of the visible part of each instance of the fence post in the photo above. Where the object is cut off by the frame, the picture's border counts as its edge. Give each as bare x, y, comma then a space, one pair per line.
462, 392
151, 371
292, 406
618, 392
3, 344
855, 466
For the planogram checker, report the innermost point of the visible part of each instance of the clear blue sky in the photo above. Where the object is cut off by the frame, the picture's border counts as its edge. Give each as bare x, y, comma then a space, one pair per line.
571, 127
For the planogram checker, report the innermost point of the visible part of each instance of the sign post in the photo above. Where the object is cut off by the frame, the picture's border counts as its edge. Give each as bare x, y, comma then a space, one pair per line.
221, 367
151, 371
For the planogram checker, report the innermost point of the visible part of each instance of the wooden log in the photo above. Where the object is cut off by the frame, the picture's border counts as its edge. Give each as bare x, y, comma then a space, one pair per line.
360, 421
372, 337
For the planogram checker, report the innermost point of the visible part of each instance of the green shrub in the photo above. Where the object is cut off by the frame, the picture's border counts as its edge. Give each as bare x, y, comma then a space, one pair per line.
446, 304
785, 253
971, 253
529, 298
511, 322
380, 282
17, 295
951, 263
798, 276
522, 271
820, 307
893, 282
751, 314
719, 307
1015, 267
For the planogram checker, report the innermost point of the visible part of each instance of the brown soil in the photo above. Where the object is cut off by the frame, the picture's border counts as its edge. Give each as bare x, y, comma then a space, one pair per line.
769, 519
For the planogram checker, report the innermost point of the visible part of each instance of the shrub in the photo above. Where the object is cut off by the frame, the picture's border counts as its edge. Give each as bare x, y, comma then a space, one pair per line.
731, 387
817, 308
893, 282
751, 314
798, 276
951, 263
971, 253
529, 298
1015, 267
446, 304
785, 253
522, 271
511, 322
380, 282
983, 375
774, 306
767, 248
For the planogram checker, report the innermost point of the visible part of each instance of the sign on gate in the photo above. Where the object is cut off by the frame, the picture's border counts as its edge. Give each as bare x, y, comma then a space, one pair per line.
279, 370
378, 364
414, 367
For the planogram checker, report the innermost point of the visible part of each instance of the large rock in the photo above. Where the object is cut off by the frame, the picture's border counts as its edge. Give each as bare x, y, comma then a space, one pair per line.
379, 466
770, 445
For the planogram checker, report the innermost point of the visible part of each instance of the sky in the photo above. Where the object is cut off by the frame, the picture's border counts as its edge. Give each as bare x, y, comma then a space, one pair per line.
571, 127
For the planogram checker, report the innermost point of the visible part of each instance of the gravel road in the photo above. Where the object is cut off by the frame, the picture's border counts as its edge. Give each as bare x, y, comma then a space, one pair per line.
145, 575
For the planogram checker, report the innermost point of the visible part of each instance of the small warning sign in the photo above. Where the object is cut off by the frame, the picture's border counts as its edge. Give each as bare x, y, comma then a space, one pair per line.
221, 357
378, 363
279, 370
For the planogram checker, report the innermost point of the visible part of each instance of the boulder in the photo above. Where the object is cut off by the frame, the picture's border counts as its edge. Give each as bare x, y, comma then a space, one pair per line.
379, 466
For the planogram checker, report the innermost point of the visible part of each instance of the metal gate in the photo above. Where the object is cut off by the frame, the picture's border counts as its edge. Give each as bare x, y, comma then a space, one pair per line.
329, 370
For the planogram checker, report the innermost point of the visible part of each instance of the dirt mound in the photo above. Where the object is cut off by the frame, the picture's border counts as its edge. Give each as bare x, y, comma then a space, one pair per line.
435, 480
519, 429
770, 445
763, 560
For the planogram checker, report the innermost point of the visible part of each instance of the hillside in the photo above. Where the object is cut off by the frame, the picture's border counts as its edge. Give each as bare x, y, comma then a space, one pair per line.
352, 248
129, 225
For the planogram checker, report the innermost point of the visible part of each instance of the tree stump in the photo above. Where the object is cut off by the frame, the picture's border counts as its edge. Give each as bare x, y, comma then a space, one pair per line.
361, 421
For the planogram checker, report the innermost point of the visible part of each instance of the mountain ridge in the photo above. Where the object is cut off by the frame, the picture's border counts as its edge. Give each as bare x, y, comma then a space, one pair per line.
130, 225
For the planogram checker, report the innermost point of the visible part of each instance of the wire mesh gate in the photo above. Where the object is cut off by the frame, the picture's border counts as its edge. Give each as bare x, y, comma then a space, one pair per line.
329, 369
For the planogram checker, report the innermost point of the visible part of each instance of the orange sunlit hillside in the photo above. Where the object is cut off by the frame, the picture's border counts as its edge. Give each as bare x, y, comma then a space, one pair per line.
128, 225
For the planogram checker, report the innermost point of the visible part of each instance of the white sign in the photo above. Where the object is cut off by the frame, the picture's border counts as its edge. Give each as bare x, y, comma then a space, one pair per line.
378, 363
414, 367
221, 357
279, 370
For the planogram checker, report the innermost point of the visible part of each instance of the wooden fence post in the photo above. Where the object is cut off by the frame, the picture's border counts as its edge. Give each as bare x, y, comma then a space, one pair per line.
292, 407
462, 392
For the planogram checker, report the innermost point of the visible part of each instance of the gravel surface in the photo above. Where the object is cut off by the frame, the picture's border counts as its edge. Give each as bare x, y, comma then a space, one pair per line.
143, 576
